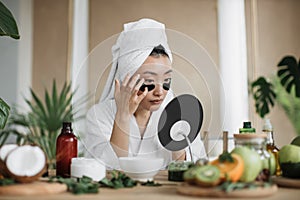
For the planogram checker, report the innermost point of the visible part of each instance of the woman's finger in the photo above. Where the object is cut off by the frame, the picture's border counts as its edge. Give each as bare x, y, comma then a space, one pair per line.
132, 83
138, 85
126, 80
142, 96
117, 87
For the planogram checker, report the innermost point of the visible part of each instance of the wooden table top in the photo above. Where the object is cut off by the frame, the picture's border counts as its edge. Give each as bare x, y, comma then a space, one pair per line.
168, 191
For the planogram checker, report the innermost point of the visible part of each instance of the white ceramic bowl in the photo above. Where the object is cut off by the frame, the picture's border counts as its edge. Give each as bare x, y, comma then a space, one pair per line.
141, 169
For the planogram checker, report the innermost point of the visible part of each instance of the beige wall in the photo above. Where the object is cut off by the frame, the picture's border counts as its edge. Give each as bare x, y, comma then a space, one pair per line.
272, 32
50, 44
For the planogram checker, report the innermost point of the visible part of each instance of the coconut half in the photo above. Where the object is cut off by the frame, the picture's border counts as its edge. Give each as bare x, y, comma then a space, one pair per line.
5, 149
26, 163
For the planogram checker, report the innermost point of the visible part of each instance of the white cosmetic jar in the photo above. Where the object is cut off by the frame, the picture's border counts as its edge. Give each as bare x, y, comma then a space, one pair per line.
90, 167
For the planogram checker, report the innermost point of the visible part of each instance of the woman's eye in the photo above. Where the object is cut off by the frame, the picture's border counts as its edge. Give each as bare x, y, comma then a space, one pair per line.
167, 80
149, 81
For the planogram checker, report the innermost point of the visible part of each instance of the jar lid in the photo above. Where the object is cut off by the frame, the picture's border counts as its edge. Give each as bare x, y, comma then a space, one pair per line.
86, 161
250, 135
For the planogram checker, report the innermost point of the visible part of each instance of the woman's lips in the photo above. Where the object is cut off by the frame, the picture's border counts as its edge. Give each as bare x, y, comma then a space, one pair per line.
156, 101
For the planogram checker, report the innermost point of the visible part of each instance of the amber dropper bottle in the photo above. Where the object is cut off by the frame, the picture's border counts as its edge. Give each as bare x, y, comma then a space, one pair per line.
66, 149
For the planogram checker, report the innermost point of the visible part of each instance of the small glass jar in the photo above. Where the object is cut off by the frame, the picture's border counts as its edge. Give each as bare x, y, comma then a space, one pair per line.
256, 142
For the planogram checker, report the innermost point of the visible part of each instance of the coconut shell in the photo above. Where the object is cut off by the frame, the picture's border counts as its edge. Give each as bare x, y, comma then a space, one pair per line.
3, 169
26, 179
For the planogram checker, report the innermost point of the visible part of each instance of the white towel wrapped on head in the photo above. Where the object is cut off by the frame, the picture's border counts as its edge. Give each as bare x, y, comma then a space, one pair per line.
133, 46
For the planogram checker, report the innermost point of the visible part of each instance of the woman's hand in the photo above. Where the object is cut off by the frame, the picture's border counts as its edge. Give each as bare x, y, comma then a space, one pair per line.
126, 94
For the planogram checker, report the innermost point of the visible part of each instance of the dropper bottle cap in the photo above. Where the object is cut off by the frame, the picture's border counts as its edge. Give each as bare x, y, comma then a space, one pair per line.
267, 125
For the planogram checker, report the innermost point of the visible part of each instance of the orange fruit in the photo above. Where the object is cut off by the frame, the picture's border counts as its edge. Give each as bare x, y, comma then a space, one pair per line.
231, 171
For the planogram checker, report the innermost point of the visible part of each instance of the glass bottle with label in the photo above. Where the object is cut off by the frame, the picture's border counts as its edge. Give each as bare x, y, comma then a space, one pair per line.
271, 147
247, 128
66, 149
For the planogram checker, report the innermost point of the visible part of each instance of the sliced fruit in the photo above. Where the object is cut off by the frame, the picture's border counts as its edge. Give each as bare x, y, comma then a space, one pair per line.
231, 168
26, 163
201, 162
207, 176
5, 149
176, 170
190, 174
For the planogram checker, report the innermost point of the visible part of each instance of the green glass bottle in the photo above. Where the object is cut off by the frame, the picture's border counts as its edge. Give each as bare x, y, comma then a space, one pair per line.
247, 128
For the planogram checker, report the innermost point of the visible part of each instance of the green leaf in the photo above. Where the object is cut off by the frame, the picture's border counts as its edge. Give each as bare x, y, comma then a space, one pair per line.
4, 112
150, 183
289, 102
118, 180
226, 156
7, 181
289, 73
82, 186
263, 95
8, 25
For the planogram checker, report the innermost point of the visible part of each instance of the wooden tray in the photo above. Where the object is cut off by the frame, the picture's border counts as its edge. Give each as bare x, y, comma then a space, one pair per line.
35, 188
191, 190
286, 182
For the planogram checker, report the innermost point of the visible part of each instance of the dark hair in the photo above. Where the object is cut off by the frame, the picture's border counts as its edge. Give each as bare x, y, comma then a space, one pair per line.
159, 51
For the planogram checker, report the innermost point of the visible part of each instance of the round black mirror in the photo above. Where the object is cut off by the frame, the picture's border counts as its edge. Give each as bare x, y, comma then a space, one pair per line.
181, 118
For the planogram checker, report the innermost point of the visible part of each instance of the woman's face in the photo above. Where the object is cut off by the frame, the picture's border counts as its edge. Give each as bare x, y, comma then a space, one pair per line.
157, 73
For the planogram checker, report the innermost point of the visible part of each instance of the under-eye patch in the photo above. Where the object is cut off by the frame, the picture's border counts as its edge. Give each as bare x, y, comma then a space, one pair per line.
166, 86
150, 87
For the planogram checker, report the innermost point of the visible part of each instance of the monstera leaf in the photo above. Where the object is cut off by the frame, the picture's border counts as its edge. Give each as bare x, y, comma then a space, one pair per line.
263, 95
8, 25
4, 112
289, 74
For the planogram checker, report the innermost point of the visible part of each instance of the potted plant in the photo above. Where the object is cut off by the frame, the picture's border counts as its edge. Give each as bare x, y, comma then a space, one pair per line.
283, 89
8, 27
42, 124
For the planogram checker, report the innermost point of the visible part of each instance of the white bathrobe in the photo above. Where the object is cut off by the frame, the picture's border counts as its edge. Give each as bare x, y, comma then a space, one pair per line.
100, 119
133, 46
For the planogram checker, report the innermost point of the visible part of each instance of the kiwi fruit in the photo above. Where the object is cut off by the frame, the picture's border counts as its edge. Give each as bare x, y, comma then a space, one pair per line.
189, 175
207, 176
177, 169
201, 162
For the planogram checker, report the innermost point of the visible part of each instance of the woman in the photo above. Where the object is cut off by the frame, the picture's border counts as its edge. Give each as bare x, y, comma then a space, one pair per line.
125, 121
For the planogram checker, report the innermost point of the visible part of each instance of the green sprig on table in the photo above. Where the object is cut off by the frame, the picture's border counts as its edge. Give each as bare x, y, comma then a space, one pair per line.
229, 186
7, 181
151, 183
80, 186
118, 180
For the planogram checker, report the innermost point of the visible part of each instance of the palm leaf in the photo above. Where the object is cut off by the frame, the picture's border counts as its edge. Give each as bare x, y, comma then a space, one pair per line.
289, 73
8, 25
42, 124
54, 94
4, 112
38, 103
263, 95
